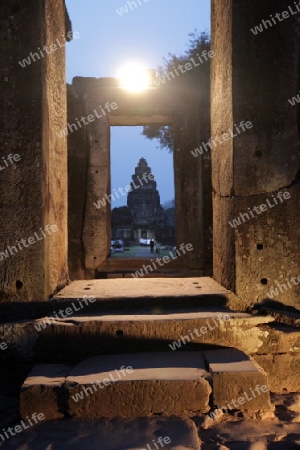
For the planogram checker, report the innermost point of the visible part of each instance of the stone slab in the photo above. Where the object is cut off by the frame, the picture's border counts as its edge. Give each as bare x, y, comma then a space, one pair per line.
204, 316
42, 391
149, 328
154, 330
142, 288
113, 434
283, 371
159, 383
235, 377
113, 265
291, 319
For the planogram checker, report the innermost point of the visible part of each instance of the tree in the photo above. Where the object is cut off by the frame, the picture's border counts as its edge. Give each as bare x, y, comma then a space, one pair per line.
169, 204
198, 78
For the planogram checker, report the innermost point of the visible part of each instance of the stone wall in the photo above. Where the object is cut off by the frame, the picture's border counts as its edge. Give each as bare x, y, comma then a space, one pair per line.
253, 78
33, 189
207, 216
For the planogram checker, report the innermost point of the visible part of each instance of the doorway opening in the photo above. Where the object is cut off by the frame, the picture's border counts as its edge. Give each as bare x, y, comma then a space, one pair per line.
142, 196
91, 222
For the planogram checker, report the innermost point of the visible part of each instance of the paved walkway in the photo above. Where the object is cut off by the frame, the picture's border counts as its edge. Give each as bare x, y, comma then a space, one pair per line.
145, 252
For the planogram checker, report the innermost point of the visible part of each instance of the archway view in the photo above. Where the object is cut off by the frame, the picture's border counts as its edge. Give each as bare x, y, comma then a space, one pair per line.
203, 351
142, 202
157, 109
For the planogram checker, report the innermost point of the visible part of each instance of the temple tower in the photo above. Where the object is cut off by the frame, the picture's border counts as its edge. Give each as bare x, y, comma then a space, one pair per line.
144, 202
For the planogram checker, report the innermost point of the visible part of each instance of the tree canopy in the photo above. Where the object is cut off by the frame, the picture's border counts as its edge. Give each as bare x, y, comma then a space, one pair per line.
199, 77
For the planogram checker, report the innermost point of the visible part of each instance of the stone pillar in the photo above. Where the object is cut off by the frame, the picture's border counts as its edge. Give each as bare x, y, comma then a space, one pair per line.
188, 185
78, 161
97, 220
33, 112
253, 77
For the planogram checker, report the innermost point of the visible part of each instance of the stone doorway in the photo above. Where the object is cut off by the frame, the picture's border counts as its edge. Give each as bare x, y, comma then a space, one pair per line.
249, 83
89, 245
142, 190
143, 209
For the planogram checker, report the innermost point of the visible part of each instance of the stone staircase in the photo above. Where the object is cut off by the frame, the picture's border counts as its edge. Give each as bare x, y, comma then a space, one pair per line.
136, 348
106, 358
146, 384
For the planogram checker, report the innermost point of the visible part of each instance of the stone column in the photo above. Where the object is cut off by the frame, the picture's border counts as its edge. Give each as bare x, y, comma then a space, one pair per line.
78, 160
33, 112
254, 74
97, 220
188, 185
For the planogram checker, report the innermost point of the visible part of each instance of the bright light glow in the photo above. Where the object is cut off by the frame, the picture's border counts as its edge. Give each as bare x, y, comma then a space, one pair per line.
135, 78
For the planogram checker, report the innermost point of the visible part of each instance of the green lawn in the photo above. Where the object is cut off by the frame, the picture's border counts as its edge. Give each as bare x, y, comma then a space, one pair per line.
126, 254
137, 251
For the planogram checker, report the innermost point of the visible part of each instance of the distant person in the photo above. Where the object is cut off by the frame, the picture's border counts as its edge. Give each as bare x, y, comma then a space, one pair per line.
152, 246
176, 251
158, 248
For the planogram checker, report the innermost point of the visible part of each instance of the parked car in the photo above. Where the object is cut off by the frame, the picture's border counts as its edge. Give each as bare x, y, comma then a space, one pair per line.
144, 241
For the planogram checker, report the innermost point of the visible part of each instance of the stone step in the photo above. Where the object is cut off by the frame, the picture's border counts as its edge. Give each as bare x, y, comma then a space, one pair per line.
106, 296
148, 433
79, 336
140, 293
137, 385
111, 265
128, 385
238, 381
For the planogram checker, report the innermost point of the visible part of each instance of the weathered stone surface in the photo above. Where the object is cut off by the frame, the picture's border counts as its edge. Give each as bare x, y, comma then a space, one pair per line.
153, 330
258, 243
149, 328
111, 325
96, 222
283, 371
113, 434
34, 189
160, 383
223, 243
77, 182
286, 318
250, 265
243, 84
280, 434
42, 391
238, 382
144, 289
188, 183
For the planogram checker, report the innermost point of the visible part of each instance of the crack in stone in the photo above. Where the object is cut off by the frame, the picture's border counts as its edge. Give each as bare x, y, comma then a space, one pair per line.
293, 183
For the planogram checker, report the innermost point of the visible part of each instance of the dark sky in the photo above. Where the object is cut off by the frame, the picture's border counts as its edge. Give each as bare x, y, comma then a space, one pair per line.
144, 34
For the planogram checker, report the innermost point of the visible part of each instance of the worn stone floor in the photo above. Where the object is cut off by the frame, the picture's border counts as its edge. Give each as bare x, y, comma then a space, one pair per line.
280, 431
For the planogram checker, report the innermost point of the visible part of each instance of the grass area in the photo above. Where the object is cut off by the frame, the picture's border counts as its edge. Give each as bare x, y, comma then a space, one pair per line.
131, 253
